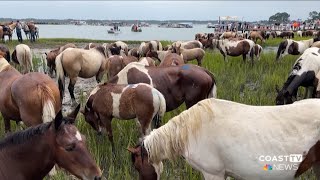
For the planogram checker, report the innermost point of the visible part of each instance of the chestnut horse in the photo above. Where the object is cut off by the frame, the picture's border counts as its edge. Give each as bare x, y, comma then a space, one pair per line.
222, 138
186, 83
75, 62
32, 153
116, 63
51, 56
189, 54
40, 104
9, 32
140, 101
171, 59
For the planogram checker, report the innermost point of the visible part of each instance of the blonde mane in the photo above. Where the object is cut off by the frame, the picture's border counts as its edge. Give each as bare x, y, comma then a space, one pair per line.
172, 138
3, 63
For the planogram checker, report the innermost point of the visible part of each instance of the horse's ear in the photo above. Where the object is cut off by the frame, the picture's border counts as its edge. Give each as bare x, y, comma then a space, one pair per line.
73, 115
58, 120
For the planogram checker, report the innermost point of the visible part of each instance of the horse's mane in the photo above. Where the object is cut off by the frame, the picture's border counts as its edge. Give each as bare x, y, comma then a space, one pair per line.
172, 138
23, 136
101, 49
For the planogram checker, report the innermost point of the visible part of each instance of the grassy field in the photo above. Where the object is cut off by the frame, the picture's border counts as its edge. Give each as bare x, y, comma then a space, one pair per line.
236, 81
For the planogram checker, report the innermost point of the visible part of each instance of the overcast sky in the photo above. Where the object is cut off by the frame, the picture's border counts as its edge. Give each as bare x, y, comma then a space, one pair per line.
155, 10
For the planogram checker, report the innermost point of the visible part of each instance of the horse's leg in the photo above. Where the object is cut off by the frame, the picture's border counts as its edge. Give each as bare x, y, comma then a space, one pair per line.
107, 124
72, 82
99, 75
7, 126
316, 170
199, 59
244, 57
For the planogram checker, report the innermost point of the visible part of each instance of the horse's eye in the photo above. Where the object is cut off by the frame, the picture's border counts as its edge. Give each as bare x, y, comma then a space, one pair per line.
70, 147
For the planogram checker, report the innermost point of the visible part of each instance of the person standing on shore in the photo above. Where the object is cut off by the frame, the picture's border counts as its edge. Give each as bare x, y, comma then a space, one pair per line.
18, 30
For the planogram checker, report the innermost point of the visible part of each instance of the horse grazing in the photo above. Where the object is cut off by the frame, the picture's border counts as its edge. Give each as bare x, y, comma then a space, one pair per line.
287, 34
293, 47
303, 74
51, 56
190, 54
172, 59
257, 51
7, 31
140, 101
22, 55
6, 52
159, 55
209, 136
243, 47
40, 105
122, 45
255, 35
173, 82
75, 62
307, 33
147, 61
32, 153
200, 36
134, 52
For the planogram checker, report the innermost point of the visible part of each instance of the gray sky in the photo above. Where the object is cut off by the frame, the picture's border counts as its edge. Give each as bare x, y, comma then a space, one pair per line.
155, 10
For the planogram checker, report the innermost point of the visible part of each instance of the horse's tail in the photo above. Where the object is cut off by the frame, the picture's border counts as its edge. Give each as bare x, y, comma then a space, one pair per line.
162, 108
213, 90
60, 74
25, 62
160, 46
48, 102
28, 56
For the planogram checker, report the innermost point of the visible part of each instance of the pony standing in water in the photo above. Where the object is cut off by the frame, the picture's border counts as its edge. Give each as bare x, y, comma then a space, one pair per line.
40, 104
22, 55
222, 138
32, 153
140, 101
75, 63
303, 73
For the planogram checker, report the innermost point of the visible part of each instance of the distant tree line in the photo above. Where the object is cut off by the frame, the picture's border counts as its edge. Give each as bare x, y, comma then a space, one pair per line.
284, 17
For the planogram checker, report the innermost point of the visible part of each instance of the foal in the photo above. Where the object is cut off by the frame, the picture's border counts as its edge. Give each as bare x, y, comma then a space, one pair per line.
140, 101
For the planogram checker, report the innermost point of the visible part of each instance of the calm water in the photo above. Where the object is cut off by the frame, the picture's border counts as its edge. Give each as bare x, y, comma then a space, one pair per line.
100, 32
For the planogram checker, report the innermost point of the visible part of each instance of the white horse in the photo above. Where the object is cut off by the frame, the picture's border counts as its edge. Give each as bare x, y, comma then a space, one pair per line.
22, 55
223, 138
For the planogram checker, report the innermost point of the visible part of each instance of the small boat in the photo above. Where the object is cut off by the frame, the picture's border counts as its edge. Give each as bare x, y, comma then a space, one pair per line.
136, 28
112, 31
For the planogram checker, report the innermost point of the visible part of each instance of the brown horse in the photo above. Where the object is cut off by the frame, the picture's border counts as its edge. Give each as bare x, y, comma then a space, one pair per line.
255, 35
51, 56
172, 59
32, 153
190, 54
187, 83
134, 52
147, 61
6, 52
75, 62
140, 101
8, 32
116, 63
41, 103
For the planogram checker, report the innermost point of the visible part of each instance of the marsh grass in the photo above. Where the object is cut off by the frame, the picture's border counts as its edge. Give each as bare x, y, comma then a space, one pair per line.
236, 81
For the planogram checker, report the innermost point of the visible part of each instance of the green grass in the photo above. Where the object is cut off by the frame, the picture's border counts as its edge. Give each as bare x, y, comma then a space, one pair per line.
236, 81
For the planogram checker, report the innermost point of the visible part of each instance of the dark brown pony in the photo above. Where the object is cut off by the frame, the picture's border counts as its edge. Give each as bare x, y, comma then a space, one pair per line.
32, 153
51, 56
140, 101
187, 83
32, 98
287, 34
6, 52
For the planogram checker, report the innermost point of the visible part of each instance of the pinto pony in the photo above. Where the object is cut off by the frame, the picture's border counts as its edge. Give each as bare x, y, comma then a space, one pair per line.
243, 47
173, 82
75, 62
303, 73
22, 55
51, 56
140, 101
40, 147
41, 103
209, 136
188, 44
147, 46
147, 61
293, 47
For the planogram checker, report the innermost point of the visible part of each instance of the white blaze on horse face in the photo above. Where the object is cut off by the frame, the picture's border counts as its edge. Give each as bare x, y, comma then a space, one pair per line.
78, 136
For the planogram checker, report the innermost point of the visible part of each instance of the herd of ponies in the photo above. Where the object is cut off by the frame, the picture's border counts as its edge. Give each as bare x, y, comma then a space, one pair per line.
220, 138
